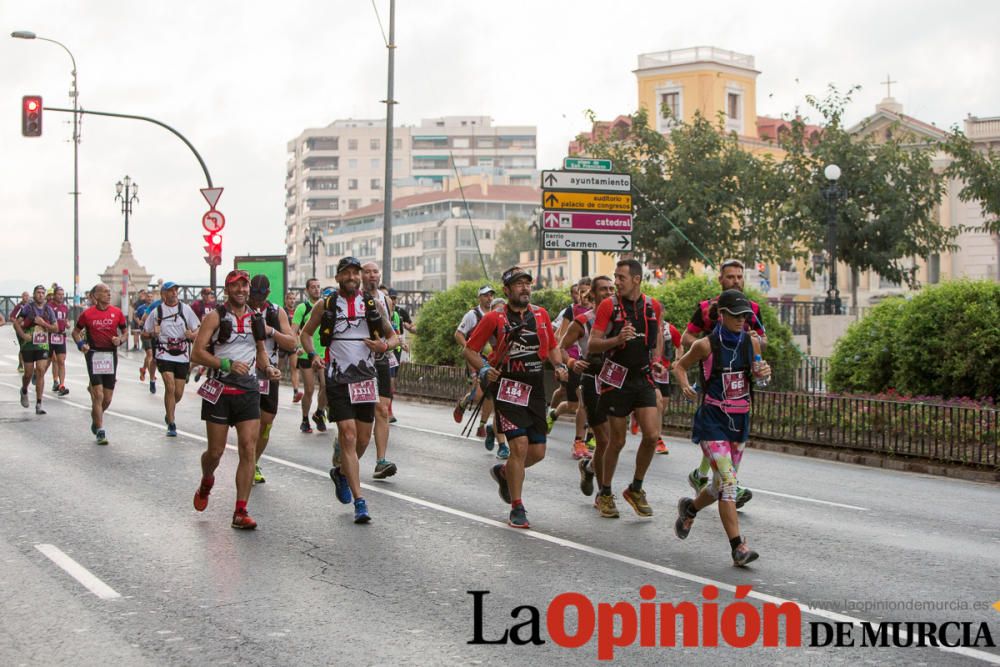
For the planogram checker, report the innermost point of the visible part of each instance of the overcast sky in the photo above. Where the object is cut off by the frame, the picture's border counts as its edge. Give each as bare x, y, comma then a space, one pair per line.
240, 79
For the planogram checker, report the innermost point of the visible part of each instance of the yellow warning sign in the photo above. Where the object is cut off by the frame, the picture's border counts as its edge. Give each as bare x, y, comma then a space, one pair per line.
587, 201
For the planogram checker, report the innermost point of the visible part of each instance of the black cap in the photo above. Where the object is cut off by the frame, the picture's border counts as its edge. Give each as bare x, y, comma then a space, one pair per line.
348, 262
392, 293
260, 285
512, 274
734, 302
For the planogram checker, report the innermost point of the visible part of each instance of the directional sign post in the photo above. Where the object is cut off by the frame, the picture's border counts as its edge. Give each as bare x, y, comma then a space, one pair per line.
586, 164
587, 241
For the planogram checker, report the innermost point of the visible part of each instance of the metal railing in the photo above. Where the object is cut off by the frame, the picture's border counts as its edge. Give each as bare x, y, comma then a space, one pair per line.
942, 433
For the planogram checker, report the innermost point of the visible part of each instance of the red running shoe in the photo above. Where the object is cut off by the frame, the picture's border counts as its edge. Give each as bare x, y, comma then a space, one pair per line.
243, 521
201, 497
635, 425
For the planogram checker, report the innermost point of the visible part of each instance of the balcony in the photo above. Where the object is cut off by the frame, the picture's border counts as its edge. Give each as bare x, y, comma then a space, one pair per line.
983, 128
695, 54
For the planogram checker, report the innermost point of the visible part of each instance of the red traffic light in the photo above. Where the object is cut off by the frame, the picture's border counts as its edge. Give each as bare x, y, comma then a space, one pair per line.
213, 248
31, 116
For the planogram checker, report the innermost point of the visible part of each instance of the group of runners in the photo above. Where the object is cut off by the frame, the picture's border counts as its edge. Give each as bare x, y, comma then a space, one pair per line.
612, 352
613, 355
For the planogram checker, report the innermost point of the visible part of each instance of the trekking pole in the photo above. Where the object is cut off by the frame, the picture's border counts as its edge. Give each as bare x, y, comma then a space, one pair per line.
504, 353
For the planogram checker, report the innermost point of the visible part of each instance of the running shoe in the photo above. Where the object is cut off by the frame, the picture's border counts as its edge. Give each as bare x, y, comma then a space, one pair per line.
93, 427
685, 517
743, 496
481, 431
201, 497
518, 518
320, 420
392, 419
696, 481
171, 430
503, 451
501, 481
586, 477
20, 369
152, 390
637, 499
744, 555
62, 390
458, 412
490, 438
341, 486
55, 385
361, 511
296, 397
39, 410
606, 506
102, 437
304, 426
661, 447
590, 441
580, 450
142, 374
550, 420
243, 521
258, 477
24, 398
635, 425
384, 468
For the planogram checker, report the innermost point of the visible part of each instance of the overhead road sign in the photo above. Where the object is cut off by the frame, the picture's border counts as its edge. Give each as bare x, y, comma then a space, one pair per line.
586, 164
594, 222
587, 201
587, 241
569, 180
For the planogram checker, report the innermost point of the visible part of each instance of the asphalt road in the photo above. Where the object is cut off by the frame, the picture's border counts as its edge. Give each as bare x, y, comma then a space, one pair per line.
170, 586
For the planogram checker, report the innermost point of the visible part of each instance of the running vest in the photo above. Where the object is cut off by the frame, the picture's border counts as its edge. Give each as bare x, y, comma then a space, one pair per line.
627, 355
727, 374
271, 319
346, 323
175, 346
233, 340
525, 344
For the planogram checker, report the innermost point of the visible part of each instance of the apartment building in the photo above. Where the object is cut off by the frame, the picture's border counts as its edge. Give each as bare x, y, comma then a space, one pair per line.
338, 170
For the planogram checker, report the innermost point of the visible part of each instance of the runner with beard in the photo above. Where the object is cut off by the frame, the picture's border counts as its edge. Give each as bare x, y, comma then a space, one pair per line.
34, 323
588, 366
355, 329
628, 330
514, 372
230, 344
277, 337
703, 323
57, 341
98, 333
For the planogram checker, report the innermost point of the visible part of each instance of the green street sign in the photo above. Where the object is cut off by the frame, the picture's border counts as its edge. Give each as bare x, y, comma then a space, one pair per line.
586, 164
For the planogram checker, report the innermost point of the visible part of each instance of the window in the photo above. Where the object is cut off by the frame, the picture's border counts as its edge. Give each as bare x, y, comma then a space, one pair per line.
734, 109
733, 106
404, 263
397, 165
460, 142
404, 240
353, 204
484, 142
376, 163
352, 144
461, 161
352, 163
352, 184
374, 144
376, 184
398, 144
670, 112
435, 264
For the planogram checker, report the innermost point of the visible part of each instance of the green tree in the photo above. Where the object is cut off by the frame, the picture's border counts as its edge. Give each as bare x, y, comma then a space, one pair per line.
699, 195
864, 357
979, 171
888, 212
437, 321
470, 271
515, 237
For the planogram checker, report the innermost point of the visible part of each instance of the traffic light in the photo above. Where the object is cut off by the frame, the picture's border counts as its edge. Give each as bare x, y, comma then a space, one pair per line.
31, 115
213, 249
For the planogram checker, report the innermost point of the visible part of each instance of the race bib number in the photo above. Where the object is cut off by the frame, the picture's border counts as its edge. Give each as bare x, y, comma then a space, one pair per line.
735, 385
39, 337
393, 361
661, 378
613, 374
264, 386
210, 390
513, 392
57, 339
363, 392
102, 363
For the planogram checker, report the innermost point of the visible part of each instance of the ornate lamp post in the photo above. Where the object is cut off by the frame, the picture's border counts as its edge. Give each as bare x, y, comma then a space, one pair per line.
832, 193
314, 239
128, 193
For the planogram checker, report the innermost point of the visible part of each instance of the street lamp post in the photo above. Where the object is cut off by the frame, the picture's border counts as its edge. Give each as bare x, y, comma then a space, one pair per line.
314, 239
832, 193
128, 193
75, 95
537, 226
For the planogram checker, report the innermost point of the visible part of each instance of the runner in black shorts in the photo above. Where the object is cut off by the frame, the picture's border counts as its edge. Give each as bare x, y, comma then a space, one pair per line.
277, 337
170, 327
57, 341
628, 329
34, 323
98, 333
514, 372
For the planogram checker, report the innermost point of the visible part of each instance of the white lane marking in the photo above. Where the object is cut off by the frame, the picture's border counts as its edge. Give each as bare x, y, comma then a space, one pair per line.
577, 546
78, 572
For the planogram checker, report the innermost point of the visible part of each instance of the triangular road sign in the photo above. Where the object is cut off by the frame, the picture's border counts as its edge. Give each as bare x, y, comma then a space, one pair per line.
211, 195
